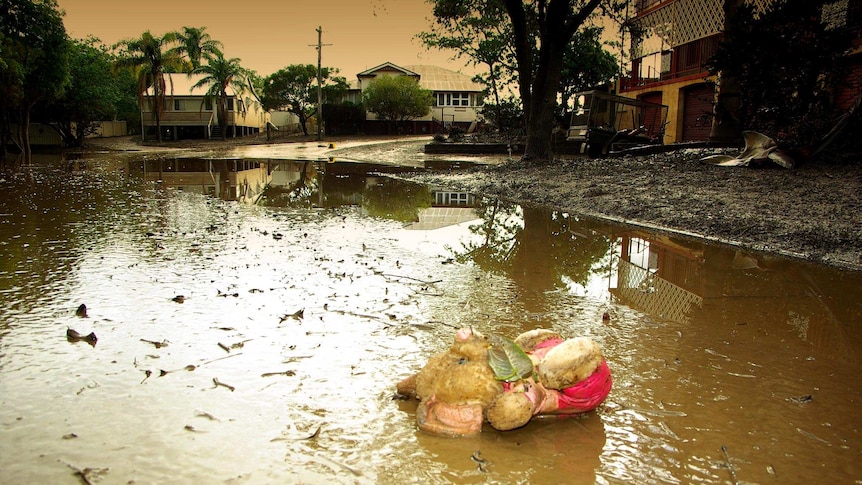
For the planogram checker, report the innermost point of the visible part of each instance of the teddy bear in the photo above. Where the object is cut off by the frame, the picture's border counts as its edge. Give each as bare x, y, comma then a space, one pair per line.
506, 382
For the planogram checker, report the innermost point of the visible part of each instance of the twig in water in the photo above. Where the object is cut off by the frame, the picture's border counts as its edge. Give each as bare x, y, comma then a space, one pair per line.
729, 466
409, 278
219, 383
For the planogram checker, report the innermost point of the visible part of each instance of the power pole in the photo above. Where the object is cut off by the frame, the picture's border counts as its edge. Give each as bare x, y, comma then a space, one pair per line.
319, 47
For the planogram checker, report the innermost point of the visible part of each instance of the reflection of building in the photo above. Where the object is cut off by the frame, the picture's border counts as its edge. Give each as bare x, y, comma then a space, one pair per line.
659, 276
449, 208
229, 179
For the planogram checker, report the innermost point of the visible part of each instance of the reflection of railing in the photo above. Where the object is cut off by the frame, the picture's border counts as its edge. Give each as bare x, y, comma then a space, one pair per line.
645, 291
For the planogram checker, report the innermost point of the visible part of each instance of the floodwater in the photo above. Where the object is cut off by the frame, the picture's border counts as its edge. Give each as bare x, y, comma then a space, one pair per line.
257, 337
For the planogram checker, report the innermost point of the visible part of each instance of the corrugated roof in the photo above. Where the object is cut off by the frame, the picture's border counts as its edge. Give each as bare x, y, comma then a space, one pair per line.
430, 77
182, 85
440, 79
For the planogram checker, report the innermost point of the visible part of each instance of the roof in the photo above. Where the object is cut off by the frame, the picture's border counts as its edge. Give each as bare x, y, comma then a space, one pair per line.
182, 85
430, 77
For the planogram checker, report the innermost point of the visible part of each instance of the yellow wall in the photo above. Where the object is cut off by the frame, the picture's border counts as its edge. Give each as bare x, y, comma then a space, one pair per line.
672, 96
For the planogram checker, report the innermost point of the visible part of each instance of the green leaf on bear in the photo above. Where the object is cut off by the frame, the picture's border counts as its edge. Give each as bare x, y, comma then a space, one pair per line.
508, 361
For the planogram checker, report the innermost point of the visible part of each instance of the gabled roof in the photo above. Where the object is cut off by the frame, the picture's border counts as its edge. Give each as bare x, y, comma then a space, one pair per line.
430, 77
182, 85
386, 66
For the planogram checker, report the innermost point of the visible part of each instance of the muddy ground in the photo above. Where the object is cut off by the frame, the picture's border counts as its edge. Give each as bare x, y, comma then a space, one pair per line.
812, 212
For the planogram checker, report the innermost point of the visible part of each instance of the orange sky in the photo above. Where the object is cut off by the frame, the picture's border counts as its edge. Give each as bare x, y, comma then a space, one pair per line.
271, 34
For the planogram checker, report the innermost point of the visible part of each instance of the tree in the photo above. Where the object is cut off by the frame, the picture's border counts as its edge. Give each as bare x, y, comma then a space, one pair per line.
482, 36
397, 98
151, 57
35, 67
586, 64
93, 92
786, 65
294, 88
540, 30
219, 75
195, 44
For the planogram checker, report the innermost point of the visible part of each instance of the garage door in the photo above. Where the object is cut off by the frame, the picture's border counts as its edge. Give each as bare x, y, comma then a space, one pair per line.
697, 112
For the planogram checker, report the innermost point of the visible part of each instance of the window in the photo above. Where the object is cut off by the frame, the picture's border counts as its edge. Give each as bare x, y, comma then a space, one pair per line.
453, 99
230, 104
208, 104
177, 105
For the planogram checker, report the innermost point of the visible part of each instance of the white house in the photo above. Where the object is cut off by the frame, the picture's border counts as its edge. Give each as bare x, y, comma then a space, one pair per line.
457, 99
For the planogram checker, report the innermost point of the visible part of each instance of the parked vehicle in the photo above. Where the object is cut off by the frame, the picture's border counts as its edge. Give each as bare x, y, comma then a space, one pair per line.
605, 122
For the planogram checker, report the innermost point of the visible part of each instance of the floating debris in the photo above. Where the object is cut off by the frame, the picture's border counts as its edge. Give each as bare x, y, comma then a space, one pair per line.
74, 336
158, 345
288, 373
222, 384
297, 315
81, 311
481, 462
179, 298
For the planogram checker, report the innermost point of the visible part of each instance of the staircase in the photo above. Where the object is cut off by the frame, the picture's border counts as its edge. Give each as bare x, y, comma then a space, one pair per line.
215, 132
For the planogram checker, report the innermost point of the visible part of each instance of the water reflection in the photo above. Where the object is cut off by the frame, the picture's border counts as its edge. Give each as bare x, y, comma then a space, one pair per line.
710, 347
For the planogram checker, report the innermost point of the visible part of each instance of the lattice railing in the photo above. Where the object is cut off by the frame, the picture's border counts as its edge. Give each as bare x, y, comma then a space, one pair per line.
647, 292
683, 21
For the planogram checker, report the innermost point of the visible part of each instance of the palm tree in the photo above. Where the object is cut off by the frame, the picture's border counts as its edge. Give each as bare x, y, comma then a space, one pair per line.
194, 43
221, 74
151, 57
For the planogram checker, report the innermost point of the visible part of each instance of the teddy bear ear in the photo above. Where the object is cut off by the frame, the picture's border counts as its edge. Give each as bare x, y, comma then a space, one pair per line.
508, 361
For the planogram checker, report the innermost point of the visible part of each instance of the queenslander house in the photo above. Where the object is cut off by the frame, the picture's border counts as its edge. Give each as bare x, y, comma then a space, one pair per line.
457, 99
189, 113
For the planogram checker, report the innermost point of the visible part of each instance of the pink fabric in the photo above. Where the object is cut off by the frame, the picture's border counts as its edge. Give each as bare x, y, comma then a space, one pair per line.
544, 347
587, 394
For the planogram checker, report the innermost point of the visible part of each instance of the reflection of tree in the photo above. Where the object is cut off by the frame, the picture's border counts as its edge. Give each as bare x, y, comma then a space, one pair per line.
500, 227
397, 200
536, 247
297, 194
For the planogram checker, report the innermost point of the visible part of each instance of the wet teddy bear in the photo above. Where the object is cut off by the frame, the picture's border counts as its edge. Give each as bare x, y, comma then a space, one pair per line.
506, 383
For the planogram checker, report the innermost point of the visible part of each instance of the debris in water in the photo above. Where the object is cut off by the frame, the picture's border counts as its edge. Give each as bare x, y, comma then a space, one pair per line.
297, 315
729, 465
288, 373
179, 298
75, 336
222, 384
158, 345
81, 311
482, 463
801, 399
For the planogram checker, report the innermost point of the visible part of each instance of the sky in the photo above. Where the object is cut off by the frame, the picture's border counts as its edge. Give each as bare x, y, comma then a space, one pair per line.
268, 35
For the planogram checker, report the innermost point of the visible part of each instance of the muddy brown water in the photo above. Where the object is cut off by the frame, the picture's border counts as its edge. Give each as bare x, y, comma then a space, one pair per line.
300, 312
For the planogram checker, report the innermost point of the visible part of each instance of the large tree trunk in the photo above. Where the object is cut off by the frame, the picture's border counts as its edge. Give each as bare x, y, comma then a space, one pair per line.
557, 25
726, 122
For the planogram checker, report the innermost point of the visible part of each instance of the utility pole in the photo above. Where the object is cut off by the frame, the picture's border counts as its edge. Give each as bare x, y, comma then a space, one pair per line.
319, 47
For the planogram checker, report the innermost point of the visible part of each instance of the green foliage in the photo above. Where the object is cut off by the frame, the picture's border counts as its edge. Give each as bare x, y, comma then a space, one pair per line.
150, 57
219, 75
507, 116
294, 89
343, 118
397, 98
396, 200
93, 95
586, 64
196, 44
508, 360
522, 41
35, 64
785, 63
